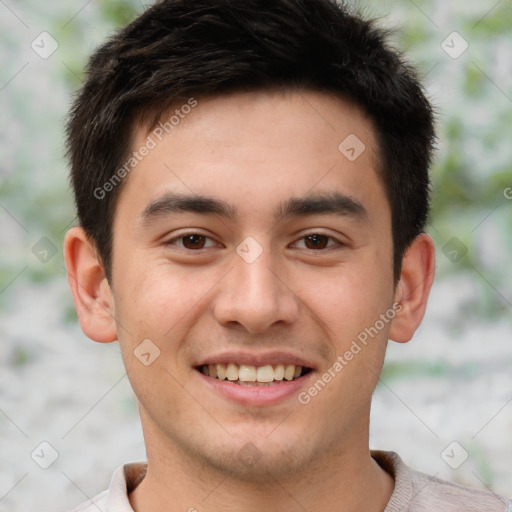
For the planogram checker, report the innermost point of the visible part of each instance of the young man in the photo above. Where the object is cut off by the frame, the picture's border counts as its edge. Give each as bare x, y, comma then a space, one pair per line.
251, 180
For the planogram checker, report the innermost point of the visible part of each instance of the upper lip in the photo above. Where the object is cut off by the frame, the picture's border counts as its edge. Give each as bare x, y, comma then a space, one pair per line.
257, 359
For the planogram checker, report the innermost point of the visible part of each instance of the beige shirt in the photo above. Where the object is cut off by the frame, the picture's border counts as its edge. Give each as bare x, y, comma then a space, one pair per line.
413, 492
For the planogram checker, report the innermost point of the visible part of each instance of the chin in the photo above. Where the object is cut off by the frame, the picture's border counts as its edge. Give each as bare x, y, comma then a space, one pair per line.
261, 460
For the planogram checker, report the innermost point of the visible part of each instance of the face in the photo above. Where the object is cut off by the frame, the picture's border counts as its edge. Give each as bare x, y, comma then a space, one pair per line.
247, 243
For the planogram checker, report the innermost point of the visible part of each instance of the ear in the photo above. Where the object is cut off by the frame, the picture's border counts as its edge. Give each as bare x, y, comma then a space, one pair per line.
413, 288
91, 292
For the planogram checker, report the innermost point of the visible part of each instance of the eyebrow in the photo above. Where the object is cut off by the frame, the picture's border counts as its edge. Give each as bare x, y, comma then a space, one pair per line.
320, 203
324, 203
180, 203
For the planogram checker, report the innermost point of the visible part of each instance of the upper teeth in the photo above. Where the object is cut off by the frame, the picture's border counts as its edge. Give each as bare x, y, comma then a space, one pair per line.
249, 373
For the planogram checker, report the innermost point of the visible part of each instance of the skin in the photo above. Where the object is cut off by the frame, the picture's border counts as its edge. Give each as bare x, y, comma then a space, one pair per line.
254, 151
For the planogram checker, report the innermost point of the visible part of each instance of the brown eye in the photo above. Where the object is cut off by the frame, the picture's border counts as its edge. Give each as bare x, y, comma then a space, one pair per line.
316, 241
193, 241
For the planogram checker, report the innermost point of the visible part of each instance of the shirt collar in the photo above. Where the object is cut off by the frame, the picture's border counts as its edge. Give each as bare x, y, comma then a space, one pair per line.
127, 477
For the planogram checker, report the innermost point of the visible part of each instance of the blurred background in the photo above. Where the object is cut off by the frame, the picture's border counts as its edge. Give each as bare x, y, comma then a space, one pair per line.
444, 402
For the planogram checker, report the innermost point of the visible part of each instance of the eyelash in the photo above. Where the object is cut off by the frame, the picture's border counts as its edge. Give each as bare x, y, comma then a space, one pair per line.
337, 242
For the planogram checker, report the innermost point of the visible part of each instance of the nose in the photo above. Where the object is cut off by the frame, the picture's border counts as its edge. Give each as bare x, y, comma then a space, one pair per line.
256, 296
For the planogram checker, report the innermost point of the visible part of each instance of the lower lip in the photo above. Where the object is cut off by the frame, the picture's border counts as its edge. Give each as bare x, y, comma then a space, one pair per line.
257, 395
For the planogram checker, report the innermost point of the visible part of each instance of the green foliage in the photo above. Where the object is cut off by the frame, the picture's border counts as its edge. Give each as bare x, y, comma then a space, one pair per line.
119, 12
20, 357
395, 370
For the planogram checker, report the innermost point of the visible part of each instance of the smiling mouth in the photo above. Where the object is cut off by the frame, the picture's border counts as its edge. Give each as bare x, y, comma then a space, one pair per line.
248, 375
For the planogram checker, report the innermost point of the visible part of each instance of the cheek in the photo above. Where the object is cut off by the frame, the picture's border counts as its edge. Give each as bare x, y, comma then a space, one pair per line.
350, 298
154, 308
156, 300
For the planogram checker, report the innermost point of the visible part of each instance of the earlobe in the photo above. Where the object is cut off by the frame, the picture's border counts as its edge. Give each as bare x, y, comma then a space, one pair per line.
413, 288
91, 291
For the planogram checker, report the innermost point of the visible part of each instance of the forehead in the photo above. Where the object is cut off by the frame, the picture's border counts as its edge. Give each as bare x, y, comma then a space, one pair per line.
254, 151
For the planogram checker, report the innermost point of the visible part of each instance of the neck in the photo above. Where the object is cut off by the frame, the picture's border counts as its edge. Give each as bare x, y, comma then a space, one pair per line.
347, 479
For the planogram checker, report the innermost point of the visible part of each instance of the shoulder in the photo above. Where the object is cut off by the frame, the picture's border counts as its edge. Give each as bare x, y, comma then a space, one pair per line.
115, 498
96, 504
418, 492
436, 494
